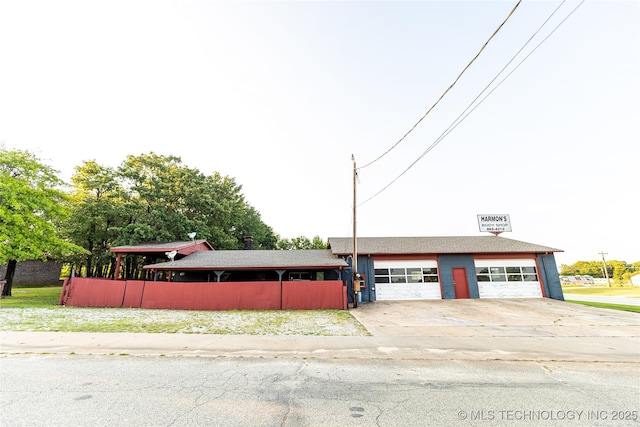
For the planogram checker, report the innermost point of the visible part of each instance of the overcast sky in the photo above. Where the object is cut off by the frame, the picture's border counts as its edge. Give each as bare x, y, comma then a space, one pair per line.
279, 95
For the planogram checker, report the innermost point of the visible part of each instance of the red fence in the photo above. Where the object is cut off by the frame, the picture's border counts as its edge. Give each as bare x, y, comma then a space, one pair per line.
88, 292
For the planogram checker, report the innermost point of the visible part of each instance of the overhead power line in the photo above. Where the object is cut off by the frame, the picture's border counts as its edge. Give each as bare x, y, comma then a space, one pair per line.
467, 110
448, 89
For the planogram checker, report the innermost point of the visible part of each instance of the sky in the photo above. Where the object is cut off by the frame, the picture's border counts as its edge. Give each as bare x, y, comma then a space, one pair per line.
279, 95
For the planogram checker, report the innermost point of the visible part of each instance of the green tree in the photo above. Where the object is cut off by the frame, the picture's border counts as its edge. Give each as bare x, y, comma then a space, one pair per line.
618, 271
302, 242
32, 208
156, 198
166, 200
98, 210
583, 268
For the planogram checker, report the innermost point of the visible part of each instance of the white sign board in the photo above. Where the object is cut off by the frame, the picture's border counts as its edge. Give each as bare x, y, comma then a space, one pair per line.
494, 223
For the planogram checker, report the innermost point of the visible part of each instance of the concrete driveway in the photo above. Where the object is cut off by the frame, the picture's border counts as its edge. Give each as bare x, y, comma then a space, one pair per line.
494, 317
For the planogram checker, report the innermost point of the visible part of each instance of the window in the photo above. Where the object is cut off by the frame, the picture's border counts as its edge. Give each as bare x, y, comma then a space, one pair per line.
406, 275
506, 274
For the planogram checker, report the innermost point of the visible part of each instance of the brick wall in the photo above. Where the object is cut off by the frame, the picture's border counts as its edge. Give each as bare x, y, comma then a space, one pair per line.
35, 273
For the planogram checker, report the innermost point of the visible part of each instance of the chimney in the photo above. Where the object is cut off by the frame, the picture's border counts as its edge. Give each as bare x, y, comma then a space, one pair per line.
248, 243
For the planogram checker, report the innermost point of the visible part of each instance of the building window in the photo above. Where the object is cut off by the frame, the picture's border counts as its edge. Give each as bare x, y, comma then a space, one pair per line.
406, 275
506, 274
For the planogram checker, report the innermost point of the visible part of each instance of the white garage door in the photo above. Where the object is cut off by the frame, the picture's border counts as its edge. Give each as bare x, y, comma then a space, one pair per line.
508, 278
407, 280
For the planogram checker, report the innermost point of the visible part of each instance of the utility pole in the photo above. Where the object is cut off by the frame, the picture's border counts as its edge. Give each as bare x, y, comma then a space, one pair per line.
606, 273
354, 255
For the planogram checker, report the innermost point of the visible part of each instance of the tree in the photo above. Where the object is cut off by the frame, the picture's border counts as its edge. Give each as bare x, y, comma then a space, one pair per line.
618, 271
166, 201
583, 268
152, 197
98, 209
32, 207
302, 242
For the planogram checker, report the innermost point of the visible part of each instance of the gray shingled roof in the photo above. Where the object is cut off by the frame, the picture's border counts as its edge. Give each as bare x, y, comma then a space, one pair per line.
250, 259
434, 245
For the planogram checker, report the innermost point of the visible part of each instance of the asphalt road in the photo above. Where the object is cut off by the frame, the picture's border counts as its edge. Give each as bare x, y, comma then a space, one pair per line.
74, 390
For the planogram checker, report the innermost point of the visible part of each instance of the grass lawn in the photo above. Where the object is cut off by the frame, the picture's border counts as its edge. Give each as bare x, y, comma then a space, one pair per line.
35, 309
633, 308
631, 292
33, 297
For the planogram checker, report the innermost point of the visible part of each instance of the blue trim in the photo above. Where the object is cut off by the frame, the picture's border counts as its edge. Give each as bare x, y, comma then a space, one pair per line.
550, 276
446, 263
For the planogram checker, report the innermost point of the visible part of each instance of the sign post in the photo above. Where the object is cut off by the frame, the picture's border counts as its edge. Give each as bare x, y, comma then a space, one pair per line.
493, 223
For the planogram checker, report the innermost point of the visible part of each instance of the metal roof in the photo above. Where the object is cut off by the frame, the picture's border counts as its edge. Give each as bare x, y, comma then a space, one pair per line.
157, 247
253, 259
434, 245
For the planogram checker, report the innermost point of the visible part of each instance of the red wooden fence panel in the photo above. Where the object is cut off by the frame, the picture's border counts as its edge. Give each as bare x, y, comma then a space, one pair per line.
212, 295
242, 296
313, 295
133, 294
91, 292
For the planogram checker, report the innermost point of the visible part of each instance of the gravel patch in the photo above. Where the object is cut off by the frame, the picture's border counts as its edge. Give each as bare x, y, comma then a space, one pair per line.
276, 322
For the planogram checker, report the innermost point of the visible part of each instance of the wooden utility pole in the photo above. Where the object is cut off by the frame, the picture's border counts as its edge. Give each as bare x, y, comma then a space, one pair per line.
606, 273
354, 255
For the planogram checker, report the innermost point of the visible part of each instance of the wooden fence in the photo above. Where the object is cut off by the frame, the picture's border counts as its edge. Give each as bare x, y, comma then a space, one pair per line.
265, 295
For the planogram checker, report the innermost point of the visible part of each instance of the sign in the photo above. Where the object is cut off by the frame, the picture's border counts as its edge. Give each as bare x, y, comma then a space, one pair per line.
494, 223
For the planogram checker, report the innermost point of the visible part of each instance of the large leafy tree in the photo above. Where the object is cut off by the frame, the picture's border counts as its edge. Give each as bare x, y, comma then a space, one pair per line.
156, 198
32, 207
166, 200
98, 209
228, 216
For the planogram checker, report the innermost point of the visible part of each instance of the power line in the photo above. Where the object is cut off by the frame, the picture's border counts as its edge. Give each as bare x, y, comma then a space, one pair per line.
448, 89
458, 119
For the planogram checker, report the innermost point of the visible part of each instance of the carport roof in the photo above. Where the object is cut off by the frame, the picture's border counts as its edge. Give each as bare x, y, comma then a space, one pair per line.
435, 245
161, 247
253, 259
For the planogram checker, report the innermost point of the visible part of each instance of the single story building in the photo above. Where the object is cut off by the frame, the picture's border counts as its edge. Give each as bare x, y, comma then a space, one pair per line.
196, 277
415, 268
391, 268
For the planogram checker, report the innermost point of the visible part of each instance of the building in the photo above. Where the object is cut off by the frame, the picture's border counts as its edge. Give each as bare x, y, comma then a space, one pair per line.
415, 268
206, 279
391, 268
36, 272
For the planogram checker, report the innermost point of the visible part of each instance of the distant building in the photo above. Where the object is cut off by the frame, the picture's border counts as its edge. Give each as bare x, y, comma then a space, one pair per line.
35, 273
